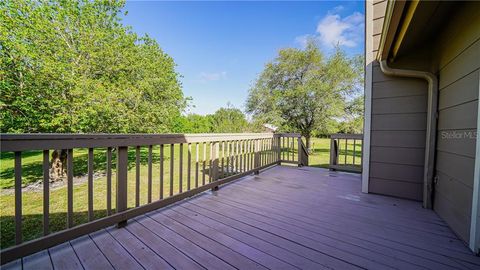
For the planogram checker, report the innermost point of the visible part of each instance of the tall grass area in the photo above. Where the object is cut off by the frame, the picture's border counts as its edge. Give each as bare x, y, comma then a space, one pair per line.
32, 201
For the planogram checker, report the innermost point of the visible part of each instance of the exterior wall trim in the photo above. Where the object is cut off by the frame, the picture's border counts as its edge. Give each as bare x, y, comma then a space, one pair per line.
367, 95
474, 242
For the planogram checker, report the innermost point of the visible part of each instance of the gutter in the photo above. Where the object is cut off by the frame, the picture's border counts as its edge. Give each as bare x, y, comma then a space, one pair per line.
432, 108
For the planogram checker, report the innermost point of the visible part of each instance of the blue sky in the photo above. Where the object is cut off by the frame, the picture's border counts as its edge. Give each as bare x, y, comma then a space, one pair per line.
221, 47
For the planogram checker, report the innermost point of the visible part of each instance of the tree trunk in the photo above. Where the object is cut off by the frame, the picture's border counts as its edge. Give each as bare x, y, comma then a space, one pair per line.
58, 165
307, 143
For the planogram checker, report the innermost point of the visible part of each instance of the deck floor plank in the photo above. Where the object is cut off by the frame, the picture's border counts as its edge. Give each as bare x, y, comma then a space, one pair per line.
193, 251
173, 256
285, 218
141, 252
89, 254
292, 258
388, 248
335, 250
63, 257
233, 258
257, 255
341, 204
114, 252
368, 219
444, 245
13, 265
38, 261
299, 249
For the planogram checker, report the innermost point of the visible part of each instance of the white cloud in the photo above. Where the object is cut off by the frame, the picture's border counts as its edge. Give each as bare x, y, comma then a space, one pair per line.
337, 9
215, 76
302, 40
347, 31
334, 29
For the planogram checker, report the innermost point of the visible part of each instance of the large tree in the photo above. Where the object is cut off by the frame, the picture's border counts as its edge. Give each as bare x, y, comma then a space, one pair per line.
71, 66
229, 120
302, 90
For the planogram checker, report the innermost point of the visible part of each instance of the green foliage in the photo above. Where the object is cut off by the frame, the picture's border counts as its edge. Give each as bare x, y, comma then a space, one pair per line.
229, 120
71, 66
304, 91
224, 120
353, 120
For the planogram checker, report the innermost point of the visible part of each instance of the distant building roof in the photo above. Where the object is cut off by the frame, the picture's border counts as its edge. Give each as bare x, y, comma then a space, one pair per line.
270, 127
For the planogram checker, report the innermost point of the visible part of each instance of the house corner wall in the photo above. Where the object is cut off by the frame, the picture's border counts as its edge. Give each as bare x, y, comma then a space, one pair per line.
457, 54
398, 123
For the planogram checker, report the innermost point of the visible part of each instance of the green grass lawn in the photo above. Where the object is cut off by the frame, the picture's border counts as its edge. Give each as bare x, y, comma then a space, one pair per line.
320, 153
32, 201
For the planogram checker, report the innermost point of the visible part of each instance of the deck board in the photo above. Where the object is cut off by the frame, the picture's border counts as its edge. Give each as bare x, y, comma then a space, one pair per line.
40, 260
89, 254
284, 218
63, 257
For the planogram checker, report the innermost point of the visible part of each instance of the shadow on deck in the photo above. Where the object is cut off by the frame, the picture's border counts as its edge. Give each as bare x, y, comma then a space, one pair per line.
284, 218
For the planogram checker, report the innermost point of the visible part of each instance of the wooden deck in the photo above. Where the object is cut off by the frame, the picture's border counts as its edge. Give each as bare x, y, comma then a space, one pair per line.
285, 218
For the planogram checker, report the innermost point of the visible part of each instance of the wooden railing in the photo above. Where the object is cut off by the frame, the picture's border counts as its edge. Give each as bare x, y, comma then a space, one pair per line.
292, 149
346, 152
186, 165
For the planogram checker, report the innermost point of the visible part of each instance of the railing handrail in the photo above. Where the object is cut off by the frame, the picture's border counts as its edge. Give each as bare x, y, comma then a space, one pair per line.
346, 136
44, 141
244, 153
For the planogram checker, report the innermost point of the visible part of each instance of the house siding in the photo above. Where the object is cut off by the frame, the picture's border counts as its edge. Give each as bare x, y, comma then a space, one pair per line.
458, 63
398, 125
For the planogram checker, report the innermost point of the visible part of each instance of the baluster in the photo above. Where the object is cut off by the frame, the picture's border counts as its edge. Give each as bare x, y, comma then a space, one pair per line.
69, 188
354, 153
240, 156
180, 170
228, 158
244, 143
109, 181
137, 176
223, 157
189, 165
252, 154
210, 176
204, 162
172, 157
149, 184
122, 181
161, 170
299, 151
46, 192
90, 184
18, 197
214, 157
288, 148
196, 165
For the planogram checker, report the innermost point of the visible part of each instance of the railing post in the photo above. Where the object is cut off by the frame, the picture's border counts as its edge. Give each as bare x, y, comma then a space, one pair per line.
256, 157
215, 169
333, 153
122, 172
299, 151
279, 149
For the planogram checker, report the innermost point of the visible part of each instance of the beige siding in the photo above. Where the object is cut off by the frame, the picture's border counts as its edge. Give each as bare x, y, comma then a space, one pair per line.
379, 8
398, 126
458, 55
399, 107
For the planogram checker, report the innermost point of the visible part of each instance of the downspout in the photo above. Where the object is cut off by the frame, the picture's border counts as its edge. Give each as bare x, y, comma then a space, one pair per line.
430, 140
